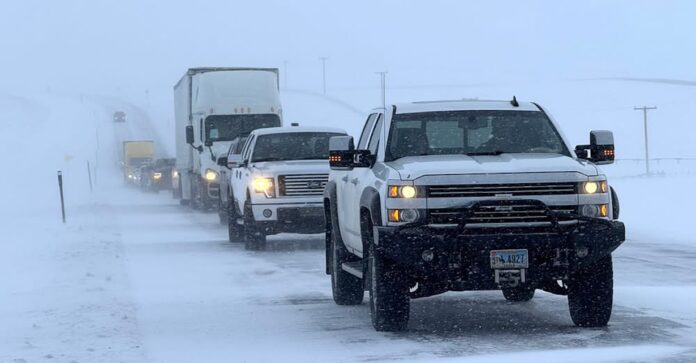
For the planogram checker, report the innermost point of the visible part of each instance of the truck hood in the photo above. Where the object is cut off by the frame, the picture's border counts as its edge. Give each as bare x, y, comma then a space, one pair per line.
416, 166
287, 167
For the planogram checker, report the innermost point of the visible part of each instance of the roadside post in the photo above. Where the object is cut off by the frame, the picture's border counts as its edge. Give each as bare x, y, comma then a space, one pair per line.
60, 187
89, 174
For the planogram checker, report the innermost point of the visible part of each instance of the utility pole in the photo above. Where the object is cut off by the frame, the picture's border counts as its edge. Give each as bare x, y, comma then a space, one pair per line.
323, 73
383, 81
645, 133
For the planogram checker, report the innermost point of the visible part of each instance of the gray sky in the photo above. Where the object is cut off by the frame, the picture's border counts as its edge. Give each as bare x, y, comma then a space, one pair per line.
139, 44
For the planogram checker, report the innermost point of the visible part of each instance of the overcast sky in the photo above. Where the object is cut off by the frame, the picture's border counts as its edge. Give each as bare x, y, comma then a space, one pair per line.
139, 44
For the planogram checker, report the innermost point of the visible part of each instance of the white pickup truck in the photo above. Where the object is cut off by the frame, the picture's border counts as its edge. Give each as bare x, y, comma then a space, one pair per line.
277, 182
469, 195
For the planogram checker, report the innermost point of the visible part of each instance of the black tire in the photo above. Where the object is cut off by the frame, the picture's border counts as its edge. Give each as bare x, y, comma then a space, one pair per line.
234, 230
254, 238
590, 294
520, 293
389, 300
615, 205
222, 213
346, 288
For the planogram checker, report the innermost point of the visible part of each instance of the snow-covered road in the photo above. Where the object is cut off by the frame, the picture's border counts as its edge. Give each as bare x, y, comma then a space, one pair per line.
136, 277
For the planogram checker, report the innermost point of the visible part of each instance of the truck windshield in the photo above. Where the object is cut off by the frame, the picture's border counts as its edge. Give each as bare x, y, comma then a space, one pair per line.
293, 146
228, 127
472, 133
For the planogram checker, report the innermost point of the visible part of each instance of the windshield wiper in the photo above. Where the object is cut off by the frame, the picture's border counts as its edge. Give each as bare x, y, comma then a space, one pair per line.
479, 153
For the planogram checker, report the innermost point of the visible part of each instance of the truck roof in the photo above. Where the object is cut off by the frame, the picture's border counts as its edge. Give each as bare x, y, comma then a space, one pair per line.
463, 105
295, 129
198, 70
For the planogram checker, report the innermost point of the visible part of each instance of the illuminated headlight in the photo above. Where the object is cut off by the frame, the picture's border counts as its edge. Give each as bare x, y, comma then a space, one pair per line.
402, 191
157, 176
211, 175
592, 187
594, 210
264, 185
175, 174
403, 215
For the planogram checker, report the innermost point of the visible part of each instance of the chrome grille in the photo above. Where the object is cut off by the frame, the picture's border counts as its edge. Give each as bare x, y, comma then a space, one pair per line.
497, 214
491, 190
302, 185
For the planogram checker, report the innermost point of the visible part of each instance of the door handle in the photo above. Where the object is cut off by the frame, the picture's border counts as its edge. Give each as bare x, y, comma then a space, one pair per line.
354, 181
345, 178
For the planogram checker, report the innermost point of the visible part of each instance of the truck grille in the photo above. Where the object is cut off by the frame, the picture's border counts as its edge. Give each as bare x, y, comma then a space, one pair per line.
302, 185
497, 214
491, 190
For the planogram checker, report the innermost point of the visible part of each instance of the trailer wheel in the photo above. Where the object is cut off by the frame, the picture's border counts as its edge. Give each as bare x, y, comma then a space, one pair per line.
520, 293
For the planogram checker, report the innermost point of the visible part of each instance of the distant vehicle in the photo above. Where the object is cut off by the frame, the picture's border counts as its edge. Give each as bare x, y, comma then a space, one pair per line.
235, 149
157, 176
212, 107
119, 116
135, 155
470, 195
277, 182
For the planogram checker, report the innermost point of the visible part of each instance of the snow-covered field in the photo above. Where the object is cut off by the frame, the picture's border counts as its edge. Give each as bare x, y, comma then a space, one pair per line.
136, 277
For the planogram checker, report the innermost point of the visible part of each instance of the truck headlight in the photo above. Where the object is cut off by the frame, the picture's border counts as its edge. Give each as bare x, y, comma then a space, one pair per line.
264, 185
592, 187
594, 210
402, 191
402, 215
157, 176
211, 175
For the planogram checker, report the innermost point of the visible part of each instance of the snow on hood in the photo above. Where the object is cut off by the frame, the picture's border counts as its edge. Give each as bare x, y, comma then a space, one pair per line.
287, 167
414, 167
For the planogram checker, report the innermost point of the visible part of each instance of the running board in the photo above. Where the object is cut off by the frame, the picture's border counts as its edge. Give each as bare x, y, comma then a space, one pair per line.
353, 268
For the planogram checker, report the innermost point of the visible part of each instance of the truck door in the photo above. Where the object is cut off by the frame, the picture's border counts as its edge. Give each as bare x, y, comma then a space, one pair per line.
347, 194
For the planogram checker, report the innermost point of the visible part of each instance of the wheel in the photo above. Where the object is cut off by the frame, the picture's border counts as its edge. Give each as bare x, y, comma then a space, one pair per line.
254, 239
389, 300
176, 191
222, 213
590, 294
520, 293
234, 230
346, 288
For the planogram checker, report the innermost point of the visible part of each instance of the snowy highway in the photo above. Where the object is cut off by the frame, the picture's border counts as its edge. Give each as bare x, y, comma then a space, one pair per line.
134, 276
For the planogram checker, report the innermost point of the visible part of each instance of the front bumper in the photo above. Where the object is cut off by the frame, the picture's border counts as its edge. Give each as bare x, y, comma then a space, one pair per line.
462, 255
290, 217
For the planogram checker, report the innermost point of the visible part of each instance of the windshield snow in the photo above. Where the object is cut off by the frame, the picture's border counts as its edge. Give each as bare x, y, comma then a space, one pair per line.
473, 133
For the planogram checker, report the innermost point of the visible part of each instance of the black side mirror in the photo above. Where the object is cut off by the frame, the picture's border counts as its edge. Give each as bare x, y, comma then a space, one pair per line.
341, 150
600, 150
208, 143
222, 161
189, 135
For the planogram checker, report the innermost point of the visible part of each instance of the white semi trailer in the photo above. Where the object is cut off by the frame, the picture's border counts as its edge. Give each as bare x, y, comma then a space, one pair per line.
212, 106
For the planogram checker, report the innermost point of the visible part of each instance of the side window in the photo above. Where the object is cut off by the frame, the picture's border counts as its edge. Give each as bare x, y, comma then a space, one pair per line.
376, 135
366, 131
247, 148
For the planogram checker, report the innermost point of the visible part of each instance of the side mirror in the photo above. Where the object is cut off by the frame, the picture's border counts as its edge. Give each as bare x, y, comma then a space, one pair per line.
189, 135
208, 143
233, 160
222, 160
601, 148
343, 156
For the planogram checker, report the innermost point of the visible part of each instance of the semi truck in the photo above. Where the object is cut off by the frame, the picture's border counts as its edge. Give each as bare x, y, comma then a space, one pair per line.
135, 154
212, 107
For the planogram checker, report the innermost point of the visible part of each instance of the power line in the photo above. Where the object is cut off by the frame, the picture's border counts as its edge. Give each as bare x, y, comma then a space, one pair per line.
645, 133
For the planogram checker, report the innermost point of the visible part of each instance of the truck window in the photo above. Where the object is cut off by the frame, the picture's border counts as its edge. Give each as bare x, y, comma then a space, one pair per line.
465, 132
228, 127
376, 134
366, 131
293, 146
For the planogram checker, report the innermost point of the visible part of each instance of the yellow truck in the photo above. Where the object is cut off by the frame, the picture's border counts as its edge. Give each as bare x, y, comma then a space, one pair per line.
136, 153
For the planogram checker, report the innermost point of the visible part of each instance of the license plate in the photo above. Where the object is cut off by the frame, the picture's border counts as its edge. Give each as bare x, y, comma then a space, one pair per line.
503, 259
